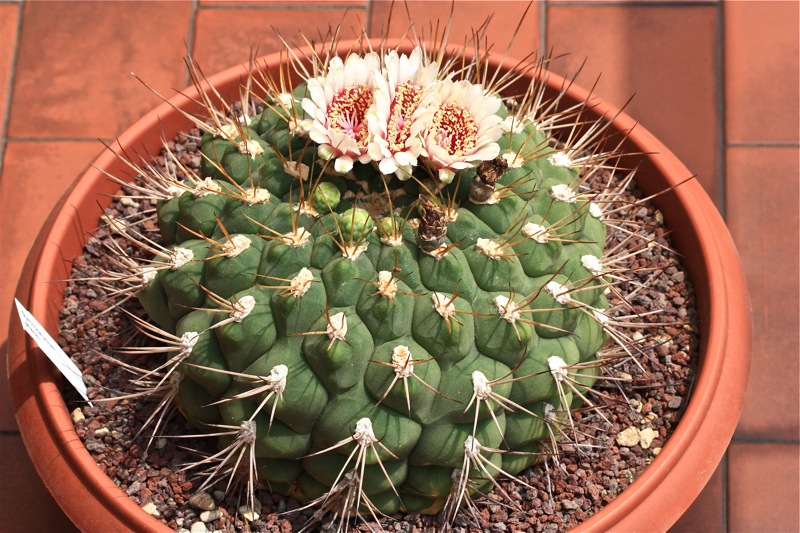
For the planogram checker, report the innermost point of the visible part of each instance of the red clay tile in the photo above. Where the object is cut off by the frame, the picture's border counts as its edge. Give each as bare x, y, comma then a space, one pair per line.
467, 17
73, 74
35, 174
707, 513
763, 488
762, 71
665, 56
763, 218
26, 503
225, 37
8, 39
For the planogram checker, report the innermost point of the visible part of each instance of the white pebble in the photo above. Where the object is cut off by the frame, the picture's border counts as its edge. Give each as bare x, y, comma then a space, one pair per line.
77, 415
102, 432
628, 437
646, 436
248, 515
210, 516
150, 508
199, 527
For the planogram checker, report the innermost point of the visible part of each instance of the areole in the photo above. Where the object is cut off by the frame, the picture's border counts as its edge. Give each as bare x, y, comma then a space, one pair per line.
676, 476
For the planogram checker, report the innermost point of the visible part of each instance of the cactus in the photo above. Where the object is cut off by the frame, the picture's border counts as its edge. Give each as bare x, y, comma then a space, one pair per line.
386, 288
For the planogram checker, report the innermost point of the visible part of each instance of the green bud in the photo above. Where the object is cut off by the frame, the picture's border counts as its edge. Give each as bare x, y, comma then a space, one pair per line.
355, 224
325, 198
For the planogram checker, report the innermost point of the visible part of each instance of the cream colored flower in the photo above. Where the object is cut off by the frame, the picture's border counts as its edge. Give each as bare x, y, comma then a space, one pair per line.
338, 106
463, 127
395, 120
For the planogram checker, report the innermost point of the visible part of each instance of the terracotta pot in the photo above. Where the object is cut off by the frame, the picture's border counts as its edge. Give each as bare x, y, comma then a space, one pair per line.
652, 503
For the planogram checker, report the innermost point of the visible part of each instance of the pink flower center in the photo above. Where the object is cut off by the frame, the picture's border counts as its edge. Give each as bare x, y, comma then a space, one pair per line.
456, 130
347, 112
405, 103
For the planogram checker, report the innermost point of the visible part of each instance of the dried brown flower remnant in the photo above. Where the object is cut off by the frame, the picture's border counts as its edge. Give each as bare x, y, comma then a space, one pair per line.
481, 188
432, 225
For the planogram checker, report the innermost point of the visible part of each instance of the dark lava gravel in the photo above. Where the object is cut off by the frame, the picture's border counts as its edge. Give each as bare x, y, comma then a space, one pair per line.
643, 404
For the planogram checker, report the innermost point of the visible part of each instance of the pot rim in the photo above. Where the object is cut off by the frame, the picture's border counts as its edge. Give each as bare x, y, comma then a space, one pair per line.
676, 475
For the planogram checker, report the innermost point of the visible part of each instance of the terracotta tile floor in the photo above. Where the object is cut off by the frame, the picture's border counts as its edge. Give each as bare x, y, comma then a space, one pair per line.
717, 81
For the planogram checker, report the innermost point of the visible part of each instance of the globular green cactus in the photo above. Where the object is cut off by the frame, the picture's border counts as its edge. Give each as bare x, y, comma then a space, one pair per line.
385, 291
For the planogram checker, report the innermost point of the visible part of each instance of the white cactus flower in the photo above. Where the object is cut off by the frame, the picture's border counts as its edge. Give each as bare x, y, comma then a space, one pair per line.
338, 107
396, 118
463, 127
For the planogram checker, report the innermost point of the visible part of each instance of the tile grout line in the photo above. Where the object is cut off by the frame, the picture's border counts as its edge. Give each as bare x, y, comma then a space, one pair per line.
368, 15
721, 131
543, 10
4, 138
191, 37
763, 144
765, 441
724, 503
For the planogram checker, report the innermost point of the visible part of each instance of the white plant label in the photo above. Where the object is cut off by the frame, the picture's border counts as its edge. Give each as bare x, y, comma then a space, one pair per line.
52, 350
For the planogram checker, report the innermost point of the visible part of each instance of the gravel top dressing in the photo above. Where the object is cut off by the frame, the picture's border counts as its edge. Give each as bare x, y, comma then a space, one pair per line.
604, 452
